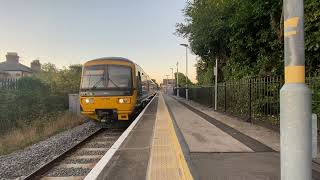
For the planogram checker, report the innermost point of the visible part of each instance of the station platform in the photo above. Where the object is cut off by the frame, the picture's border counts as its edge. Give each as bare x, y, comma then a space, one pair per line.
174, 139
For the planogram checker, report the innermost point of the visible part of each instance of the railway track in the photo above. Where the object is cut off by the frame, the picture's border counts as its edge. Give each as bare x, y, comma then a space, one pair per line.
77, 161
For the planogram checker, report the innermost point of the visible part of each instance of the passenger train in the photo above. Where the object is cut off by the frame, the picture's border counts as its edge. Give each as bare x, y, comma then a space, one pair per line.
114, 88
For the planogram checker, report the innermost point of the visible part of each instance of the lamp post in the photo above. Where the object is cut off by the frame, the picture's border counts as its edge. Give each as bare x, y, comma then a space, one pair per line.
186, 45
167, 84
295, 99
172, 85
216, 85
177, 79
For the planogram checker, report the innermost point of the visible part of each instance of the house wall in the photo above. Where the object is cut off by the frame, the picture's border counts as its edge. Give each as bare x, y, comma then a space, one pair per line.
3, 75
17, 74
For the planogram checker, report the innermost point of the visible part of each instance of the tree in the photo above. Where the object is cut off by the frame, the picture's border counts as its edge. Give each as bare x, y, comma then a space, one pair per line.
245, 36
61, 81
182, 80
312, 36
205, 73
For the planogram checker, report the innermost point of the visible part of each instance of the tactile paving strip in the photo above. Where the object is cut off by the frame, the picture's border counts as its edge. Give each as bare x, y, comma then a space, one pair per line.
166, 158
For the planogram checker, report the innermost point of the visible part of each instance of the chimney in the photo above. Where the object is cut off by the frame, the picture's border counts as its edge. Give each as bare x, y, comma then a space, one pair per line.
12, 57
35, 65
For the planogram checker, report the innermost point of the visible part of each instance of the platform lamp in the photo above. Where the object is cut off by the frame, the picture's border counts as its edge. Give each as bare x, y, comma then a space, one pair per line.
167, 84
186, 45
177, 79
172, 79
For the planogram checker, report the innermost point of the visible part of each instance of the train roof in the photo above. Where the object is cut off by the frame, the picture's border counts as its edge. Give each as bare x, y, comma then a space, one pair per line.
113, 59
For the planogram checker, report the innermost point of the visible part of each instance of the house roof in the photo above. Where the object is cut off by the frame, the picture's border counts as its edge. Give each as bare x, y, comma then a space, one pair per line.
11, 66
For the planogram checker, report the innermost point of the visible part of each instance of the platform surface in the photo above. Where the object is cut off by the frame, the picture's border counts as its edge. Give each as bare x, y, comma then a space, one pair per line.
151, 150
166, 158
175, 139
202, 136
230, 160
130, 162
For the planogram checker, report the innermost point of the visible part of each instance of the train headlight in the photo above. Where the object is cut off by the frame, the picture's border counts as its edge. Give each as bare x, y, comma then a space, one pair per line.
88, 100
124, 100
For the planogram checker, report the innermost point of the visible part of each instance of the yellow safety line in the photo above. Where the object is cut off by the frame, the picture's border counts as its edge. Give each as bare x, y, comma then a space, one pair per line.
294, 74
166, 158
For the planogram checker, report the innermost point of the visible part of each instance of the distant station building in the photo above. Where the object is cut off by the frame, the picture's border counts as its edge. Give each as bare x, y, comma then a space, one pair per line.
168, 85
13, 69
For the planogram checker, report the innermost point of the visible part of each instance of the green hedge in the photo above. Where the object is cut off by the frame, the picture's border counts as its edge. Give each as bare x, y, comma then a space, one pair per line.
31, 100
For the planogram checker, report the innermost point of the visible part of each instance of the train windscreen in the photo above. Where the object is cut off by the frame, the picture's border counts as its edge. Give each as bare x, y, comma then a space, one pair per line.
106, 77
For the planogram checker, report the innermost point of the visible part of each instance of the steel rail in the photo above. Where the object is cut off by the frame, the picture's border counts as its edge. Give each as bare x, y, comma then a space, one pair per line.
49, 165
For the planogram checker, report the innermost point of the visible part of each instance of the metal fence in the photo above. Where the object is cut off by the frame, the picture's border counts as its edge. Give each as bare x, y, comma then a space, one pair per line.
8, 84
252, 99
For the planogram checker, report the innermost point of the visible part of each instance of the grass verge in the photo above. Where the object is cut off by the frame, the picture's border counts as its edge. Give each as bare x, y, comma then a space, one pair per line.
38, 130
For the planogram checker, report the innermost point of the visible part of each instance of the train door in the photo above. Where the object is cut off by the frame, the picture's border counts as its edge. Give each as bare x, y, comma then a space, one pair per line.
139, 85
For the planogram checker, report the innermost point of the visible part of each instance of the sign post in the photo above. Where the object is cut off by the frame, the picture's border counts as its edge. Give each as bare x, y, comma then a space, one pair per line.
295, 99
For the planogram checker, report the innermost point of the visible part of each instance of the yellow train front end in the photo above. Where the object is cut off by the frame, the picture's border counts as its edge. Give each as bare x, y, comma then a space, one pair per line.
107, 90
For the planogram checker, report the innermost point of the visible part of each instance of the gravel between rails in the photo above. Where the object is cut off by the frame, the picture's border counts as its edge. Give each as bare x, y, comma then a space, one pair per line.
59, 171
69, 172
23, 162
79, 153
80, 161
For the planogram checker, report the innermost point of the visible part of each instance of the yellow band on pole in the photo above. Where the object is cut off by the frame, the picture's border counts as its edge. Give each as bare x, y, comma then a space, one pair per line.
290, 33
292, 22
294, 74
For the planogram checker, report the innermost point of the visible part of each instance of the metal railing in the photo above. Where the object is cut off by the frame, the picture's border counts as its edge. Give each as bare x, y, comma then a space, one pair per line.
8, 84
255, 100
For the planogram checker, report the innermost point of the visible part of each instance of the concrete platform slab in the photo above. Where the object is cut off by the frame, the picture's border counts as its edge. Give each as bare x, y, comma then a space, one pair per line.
237, 166
129, 164
266, 136
202, 136
166, 157
130, 161
258, 165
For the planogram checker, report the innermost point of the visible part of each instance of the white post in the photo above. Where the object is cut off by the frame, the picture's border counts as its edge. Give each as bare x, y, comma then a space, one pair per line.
216, 85
172, 85
187, 95
314, 136
177, 79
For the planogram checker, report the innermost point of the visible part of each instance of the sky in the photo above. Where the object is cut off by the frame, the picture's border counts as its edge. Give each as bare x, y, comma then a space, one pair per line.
65, 32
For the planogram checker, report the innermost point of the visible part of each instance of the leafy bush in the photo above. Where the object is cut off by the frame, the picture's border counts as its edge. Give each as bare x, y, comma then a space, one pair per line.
40, 96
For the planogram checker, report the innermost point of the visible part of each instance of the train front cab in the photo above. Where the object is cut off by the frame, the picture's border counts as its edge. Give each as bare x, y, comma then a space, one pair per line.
108, 90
